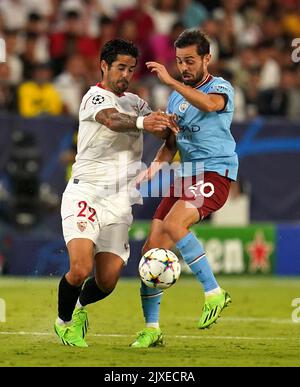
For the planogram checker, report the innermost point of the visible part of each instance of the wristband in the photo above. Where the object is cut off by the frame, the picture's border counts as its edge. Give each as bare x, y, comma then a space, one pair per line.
140, 122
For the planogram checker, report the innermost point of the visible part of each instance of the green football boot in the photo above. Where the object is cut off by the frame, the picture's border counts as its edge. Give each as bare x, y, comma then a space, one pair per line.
212, 308
148, 337
80, 321
69, 335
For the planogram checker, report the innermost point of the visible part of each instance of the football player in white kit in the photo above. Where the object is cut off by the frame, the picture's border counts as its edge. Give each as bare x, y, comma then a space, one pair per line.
96, 204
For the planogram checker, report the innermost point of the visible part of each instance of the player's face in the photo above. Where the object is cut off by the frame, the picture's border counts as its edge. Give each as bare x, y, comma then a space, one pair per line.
117, 76
192, 66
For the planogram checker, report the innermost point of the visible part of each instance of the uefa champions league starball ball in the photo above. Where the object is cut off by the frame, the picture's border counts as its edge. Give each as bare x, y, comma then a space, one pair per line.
159, 268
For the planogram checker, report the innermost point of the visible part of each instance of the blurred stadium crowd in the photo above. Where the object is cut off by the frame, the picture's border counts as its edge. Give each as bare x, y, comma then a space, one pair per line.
52, 58
53, 50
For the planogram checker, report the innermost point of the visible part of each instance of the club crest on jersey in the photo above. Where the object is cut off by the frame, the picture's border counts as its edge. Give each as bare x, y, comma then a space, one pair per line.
82, 226
183, 106
97, 99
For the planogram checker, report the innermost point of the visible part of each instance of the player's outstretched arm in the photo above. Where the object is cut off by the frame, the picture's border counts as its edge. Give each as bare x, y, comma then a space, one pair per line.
204, 102
156, 122
167, 151
165, 154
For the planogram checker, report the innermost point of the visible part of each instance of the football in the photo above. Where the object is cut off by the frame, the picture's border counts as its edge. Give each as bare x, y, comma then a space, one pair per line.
159, 268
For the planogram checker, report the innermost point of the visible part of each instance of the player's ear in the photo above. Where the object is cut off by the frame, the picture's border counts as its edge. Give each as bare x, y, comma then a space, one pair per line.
103, 65
207, 58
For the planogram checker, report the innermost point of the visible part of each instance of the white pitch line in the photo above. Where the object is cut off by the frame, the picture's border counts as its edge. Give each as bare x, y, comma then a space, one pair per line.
259, 319
22, 333
269, 320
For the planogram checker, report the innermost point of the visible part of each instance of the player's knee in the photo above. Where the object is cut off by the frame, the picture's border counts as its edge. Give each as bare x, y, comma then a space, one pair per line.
106, 284
79, 274
171, 228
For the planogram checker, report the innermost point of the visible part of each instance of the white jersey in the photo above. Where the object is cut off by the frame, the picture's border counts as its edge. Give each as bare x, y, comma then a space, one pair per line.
108, 159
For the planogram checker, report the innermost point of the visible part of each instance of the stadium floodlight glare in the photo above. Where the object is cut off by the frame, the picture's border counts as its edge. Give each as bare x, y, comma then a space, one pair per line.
2, 310
2, 50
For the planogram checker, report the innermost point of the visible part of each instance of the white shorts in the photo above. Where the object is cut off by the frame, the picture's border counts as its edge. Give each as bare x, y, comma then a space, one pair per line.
105, 221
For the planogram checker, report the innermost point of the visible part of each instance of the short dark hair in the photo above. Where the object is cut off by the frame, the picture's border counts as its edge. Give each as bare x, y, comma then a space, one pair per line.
71, 14
192, 37
113, 48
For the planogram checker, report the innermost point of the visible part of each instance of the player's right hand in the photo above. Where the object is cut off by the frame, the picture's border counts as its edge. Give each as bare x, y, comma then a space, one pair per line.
159, 122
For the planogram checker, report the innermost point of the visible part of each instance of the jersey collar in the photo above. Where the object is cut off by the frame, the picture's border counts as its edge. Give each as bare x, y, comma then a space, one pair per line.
206, 80
99, 84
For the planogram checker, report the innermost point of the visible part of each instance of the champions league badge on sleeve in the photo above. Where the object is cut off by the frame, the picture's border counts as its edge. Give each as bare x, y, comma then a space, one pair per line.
97, 100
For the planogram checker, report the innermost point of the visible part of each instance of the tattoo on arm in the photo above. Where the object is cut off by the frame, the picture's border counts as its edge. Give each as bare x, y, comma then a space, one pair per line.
122, 122
116, 121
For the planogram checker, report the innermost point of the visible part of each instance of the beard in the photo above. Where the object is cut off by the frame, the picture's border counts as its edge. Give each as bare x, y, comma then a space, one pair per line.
191, 80
121, 85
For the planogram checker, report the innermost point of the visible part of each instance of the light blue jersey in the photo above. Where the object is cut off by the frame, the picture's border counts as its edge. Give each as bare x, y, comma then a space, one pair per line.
206, 137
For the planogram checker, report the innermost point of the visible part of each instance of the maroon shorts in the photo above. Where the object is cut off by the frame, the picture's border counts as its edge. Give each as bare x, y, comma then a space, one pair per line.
207, 192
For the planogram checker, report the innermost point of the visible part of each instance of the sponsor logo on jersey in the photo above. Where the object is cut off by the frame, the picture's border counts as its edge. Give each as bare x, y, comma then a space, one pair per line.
220, 89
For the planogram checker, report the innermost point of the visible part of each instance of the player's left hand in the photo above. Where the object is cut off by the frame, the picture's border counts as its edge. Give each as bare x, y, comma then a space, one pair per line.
173, 126
161, 72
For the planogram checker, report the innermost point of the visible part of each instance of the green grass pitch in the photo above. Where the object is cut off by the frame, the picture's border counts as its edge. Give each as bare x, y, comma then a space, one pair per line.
256, 330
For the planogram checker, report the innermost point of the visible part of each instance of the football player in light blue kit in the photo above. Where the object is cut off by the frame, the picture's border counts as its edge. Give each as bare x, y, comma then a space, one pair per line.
203, 105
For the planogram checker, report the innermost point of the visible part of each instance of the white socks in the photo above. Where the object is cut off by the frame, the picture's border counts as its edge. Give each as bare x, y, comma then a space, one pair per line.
213, 292
59, 321
78, 304
152, 325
